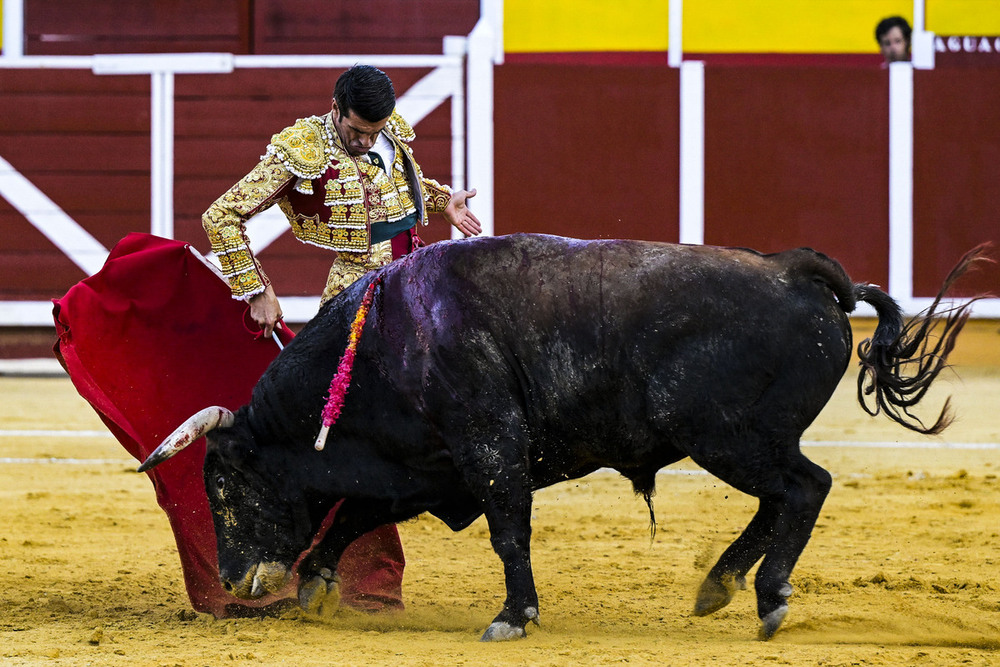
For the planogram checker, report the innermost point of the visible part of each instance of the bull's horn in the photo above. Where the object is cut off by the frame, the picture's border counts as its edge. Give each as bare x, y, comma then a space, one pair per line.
196, 426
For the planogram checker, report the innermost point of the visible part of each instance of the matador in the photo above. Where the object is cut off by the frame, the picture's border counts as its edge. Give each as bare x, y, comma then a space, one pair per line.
346, 181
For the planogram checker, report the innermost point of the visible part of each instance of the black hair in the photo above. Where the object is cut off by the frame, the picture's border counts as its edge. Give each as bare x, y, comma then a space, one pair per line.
367, 91
887, 24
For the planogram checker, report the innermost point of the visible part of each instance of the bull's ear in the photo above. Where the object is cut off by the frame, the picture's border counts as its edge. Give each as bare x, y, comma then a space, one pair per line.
233, 446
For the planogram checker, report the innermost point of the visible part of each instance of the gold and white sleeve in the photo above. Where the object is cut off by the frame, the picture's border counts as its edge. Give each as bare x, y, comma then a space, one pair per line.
225, 223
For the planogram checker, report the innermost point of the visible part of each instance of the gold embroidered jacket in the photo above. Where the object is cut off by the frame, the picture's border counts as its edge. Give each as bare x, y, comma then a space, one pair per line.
329, 197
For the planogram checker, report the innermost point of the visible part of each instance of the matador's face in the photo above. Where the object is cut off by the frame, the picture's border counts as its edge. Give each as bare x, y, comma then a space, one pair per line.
357, 134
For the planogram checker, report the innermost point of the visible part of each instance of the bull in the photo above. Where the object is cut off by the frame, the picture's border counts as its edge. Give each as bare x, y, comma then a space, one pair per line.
489, 368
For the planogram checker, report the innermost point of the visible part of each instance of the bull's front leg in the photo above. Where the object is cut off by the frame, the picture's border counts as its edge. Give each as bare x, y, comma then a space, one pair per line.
319, 580
498, 476
511, 539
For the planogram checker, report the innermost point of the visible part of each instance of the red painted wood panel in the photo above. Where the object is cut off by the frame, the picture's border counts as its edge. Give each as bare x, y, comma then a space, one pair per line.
42, 152
107, 220
587, 151
244, 26
956, 175
30, 267
47, 281
374, 26
799, 157
78, 193
52, 27
67, 82
93, 113
106, 227
85, 140
221, 157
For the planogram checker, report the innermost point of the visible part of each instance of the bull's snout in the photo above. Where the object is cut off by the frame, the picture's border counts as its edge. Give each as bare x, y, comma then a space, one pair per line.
257, 581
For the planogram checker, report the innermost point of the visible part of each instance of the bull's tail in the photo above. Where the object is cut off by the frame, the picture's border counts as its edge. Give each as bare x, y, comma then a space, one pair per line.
900, 361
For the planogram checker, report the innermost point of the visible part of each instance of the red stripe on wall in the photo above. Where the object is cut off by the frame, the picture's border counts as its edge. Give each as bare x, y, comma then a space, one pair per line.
644, 58
789, 59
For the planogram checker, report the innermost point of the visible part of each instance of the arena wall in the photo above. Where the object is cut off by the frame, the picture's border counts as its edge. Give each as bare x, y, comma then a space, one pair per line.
587, 132
84, 139
794, 156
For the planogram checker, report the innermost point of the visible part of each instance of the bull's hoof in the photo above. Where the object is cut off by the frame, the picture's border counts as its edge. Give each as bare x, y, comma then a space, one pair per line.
320, 594
269, 578
531, 613
771, 622
714, 594
258, 581
501, 632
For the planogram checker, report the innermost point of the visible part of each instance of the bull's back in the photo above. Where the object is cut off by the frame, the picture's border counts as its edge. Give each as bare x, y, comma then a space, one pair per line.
597, 340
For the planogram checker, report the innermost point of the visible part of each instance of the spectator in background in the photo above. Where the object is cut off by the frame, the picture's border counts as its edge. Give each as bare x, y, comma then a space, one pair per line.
893, 37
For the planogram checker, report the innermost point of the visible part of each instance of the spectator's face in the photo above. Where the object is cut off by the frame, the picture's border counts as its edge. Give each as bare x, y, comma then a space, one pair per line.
894, 46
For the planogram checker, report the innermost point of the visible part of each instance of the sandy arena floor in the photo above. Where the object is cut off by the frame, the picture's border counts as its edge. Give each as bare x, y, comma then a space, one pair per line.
903, 568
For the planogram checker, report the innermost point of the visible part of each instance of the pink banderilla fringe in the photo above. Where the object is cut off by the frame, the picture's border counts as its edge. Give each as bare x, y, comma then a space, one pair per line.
342, 380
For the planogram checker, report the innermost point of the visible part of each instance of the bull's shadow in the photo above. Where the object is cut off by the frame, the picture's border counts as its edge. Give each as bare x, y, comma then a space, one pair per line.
489, 368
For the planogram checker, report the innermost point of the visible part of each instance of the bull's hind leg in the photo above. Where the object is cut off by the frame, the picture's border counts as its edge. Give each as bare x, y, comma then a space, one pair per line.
728, 575
807, 486
791, 496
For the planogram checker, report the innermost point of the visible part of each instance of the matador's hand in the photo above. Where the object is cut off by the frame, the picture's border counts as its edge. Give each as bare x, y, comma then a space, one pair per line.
265, 310
458, 214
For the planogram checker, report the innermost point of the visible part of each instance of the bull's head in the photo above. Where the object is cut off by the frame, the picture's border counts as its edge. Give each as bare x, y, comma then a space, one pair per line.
261, 525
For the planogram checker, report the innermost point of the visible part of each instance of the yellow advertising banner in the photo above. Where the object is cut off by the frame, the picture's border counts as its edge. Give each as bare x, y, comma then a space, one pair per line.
729, 26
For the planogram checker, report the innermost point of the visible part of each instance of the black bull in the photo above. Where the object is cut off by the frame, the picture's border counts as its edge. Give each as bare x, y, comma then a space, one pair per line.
493, 367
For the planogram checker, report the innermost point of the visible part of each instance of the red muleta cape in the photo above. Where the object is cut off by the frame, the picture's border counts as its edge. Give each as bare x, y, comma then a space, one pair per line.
149, 340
